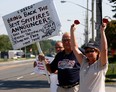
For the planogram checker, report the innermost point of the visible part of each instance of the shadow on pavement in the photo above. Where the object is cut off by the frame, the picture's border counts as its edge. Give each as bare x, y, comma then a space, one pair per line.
14, 84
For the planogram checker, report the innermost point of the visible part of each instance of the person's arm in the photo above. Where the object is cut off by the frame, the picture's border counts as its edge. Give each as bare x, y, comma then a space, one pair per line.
34, 64
74, 44
104, 47
48, 68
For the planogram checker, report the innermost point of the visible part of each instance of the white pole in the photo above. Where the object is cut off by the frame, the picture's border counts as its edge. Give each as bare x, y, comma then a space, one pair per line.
40, 52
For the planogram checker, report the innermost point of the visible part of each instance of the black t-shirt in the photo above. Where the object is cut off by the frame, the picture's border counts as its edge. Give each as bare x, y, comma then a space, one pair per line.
68, 68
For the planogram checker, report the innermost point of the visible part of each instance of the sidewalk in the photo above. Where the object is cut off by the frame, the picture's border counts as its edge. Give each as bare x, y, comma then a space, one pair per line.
110, 88
14, 63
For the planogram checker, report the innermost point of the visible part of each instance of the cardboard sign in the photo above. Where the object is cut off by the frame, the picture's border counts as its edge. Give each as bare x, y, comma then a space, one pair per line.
39, 69
32, 23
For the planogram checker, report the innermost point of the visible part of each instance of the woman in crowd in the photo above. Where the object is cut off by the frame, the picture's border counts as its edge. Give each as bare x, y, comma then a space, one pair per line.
94, 63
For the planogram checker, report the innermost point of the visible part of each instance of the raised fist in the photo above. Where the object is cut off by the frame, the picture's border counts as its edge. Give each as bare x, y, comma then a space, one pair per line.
76, 22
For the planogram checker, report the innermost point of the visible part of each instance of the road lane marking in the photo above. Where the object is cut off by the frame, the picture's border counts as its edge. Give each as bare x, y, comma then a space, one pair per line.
32, 73
20, 77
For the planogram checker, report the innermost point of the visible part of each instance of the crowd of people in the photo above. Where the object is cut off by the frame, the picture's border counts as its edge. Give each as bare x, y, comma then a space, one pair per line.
78, 71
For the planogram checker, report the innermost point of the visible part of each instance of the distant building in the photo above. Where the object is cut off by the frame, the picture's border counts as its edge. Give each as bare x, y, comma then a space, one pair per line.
15, 54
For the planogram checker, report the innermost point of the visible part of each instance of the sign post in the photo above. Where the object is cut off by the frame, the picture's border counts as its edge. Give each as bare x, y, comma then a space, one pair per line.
40, 52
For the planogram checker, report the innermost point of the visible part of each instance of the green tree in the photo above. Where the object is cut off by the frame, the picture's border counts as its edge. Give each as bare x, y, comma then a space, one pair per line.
111, 34
29, 47
47, 46
114, 7
5, 43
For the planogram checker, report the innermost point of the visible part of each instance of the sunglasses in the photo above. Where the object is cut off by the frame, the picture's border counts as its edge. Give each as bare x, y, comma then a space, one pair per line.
89, 51
65, 40
58, 47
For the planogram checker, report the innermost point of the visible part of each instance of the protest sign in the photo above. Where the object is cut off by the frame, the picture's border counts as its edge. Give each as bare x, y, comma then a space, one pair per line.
39, 68
32, 24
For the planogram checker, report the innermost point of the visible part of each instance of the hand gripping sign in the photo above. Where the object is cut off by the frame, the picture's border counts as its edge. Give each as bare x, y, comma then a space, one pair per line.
31, 24
39, 68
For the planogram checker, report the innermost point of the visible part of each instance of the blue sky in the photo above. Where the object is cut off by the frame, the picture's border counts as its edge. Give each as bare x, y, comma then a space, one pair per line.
66, 11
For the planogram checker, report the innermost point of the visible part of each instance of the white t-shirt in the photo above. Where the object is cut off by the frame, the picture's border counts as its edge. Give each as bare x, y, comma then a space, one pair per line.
54, 82
92, 77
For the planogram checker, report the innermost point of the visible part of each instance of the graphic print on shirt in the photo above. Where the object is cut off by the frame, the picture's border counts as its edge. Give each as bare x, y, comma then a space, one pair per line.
66, 63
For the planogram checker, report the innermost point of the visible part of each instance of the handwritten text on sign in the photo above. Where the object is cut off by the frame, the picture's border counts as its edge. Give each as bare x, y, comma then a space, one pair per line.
32, 23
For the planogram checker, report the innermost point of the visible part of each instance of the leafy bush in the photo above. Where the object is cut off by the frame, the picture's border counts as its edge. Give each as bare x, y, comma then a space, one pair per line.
111, 71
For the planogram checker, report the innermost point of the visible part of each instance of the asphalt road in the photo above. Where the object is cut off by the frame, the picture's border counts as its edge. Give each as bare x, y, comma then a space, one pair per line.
18, 76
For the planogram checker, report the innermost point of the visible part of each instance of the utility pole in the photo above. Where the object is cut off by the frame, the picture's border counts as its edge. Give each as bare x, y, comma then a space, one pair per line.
93, 20
86, 29
98, 19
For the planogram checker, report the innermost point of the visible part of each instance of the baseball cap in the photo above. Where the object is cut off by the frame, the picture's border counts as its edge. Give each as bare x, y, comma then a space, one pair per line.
91, 45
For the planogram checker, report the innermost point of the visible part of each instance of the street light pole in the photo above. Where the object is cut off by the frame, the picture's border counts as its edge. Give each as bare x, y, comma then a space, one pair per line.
63, 1
86, 30
92, 11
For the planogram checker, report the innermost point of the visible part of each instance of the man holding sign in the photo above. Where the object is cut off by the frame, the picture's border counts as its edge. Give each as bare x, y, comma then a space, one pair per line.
53, 76
39, 68
67, 65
